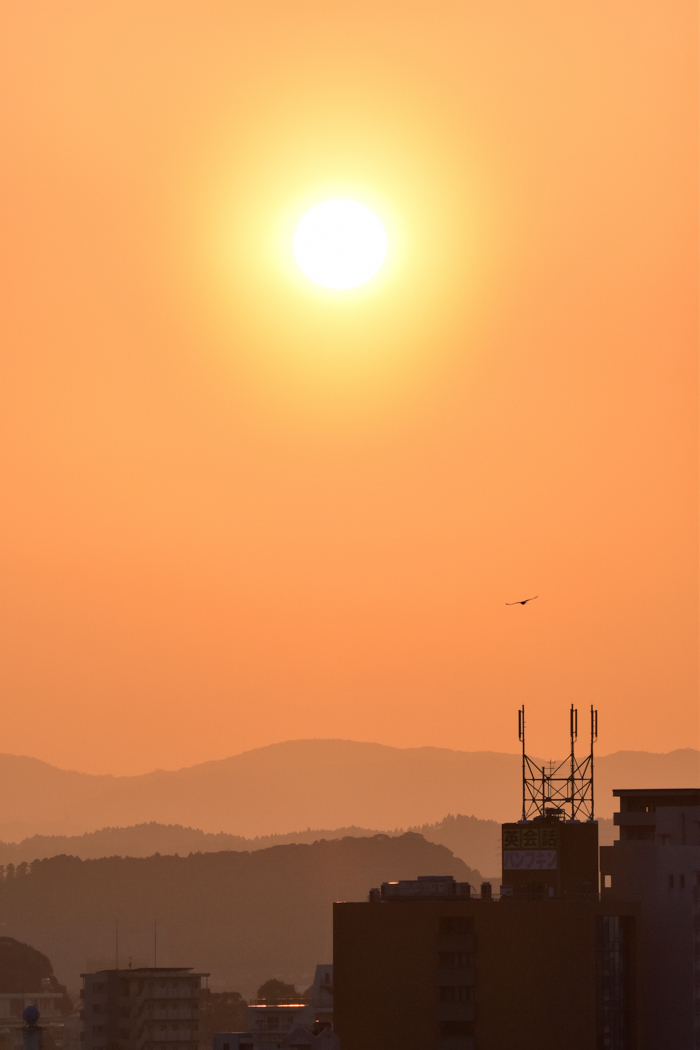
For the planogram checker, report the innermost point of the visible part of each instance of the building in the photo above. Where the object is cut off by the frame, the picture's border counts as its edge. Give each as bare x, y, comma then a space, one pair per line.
298, 1039
49, 1003
273, 1023
544, 965
453, 972
73, 1037
550, 857
150, 1008
657, 862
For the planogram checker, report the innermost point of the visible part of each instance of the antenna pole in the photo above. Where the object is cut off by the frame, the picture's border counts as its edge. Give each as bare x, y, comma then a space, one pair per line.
573, 731
521, 737
594, 737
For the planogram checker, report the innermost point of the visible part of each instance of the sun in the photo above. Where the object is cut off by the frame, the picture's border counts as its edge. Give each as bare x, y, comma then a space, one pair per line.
340, 244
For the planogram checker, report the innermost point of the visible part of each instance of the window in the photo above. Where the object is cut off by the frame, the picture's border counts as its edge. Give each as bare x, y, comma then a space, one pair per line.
456, 924
458, 993
607, 882
456, 1028
16, 1007
641, 833
455, 960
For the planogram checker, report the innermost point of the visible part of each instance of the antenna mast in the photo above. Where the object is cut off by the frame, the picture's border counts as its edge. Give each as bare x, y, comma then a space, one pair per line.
521, 737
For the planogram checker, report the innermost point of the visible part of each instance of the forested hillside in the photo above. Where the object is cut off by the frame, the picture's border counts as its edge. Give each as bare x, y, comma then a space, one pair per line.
240, 916
476, 842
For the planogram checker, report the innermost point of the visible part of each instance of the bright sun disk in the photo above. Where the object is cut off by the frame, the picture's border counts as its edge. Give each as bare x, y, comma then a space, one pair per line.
340, 244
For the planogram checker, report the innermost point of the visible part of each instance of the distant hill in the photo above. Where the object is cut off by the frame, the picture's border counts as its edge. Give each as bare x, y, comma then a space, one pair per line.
243, 917
303, 783
476, 842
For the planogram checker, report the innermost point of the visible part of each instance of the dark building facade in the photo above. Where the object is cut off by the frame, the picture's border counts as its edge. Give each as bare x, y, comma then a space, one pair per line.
449, 971
550, 857
143, 1009
657, 863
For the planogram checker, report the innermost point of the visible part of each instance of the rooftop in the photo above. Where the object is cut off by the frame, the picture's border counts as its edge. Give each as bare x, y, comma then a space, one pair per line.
152, 971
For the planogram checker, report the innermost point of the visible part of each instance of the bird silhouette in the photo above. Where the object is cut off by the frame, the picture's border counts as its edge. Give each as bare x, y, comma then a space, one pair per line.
524, 602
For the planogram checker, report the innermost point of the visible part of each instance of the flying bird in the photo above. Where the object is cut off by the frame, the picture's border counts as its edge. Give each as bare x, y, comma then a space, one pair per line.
524, 602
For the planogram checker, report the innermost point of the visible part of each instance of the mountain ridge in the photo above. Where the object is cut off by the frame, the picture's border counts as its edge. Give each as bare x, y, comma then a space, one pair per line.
319, 740
303, 783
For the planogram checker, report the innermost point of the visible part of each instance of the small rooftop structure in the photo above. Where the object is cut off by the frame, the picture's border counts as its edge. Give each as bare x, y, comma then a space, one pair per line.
425, 887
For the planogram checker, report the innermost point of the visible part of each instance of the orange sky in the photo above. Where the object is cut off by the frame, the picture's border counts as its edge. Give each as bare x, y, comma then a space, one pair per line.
236, 510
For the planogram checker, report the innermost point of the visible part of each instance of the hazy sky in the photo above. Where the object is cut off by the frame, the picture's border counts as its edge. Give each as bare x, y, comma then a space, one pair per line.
237, 509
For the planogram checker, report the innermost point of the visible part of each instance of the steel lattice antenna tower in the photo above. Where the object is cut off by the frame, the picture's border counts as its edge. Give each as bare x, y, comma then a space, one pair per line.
567, 785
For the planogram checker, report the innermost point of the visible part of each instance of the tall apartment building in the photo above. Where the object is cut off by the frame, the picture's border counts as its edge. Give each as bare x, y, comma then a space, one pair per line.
150, 1008
657, 862
446, 970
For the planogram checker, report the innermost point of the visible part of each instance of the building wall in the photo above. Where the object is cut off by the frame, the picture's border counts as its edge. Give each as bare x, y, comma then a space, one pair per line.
530, 975
657, 863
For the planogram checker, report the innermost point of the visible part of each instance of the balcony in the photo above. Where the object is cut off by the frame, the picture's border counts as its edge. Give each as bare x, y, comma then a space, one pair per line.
631, 820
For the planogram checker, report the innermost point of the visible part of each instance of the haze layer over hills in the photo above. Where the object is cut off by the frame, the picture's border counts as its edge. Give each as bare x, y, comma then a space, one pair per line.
304, 783
243, 917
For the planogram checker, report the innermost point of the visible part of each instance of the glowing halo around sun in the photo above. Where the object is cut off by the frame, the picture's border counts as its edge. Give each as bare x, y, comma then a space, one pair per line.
340, 244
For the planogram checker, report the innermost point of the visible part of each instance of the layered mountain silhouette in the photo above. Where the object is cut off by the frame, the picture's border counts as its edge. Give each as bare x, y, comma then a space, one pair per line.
304, 783
239, 916
476, 842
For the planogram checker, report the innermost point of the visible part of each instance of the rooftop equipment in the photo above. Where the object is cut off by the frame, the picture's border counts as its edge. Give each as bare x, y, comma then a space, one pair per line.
562, 790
